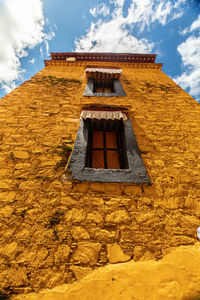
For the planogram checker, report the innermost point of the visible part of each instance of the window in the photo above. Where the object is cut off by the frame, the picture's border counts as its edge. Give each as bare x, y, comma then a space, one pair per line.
106, 145
103, 82
106, 150
103, 86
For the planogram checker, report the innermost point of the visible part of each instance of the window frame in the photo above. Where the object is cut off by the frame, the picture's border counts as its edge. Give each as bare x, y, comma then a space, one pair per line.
136, 172
106, 126
119, 91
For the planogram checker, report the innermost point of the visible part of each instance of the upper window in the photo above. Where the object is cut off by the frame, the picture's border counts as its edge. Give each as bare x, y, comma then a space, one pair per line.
103, 82
103, 86
106, 149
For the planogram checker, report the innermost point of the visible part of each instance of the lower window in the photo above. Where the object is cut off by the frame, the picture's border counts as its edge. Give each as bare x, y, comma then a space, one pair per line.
106, 145
107, 151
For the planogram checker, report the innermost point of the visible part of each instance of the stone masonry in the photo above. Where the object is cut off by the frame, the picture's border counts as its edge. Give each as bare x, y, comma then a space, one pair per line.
55, 230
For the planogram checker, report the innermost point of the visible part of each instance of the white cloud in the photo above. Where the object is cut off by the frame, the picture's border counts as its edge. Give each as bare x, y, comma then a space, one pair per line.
101, 9
115, 35
21, 28
162, 12
41, 52
111, 37
32, 61
178, 3
117, 2
190, 55
147, 12
9, 87
195, 25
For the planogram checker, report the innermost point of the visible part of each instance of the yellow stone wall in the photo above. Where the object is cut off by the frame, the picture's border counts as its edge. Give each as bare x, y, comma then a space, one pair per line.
54, 230
165, 279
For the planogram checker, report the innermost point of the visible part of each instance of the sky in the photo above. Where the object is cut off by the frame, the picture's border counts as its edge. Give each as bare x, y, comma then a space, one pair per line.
31, 29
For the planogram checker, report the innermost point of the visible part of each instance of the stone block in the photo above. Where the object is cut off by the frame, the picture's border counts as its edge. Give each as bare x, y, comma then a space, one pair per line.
16, 277
81, 187
97, 187
21, 154
5, 184
80, 272
6, 211
93, 200
116, 254
40, 257
80, 233
149, 191
103, 235
61, 255
75, 215
147, 218
118, 217
22, 166
159, 163
29, 185
95, 218
56, 185
87, 253
9, 250
112, 188
7, 196
133, 190
4, 172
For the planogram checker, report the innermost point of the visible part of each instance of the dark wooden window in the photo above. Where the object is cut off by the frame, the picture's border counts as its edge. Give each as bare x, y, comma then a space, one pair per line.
131, 169
106, 145
103, 86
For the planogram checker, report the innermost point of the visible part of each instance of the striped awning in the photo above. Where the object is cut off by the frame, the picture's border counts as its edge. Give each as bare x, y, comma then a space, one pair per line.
103, 114
102, 70
103, 73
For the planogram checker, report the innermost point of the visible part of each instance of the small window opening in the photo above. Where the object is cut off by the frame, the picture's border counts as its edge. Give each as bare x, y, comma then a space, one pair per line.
103, 86
106, 145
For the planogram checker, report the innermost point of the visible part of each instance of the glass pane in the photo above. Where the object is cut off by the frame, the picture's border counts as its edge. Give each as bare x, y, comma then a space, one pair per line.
112, 159
98, 159
99, 90
111, 141
107, 90
97, 139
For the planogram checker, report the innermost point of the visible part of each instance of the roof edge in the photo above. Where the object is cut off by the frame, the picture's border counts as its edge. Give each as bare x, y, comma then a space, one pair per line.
102, 56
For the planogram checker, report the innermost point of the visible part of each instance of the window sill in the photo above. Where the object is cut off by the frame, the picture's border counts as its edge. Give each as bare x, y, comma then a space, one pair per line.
102, 95
110, 175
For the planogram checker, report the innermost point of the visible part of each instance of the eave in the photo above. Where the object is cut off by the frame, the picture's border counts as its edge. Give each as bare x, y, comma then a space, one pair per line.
104, 57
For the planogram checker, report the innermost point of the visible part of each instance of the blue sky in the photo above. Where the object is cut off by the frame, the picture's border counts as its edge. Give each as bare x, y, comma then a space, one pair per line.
31, 29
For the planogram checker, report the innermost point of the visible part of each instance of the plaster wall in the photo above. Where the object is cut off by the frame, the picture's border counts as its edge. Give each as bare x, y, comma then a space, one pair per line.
55, 230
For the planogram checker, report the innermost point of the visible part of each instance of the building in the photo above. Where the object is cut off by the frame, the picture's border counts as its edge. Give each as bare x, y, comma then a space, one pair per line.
130, 189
